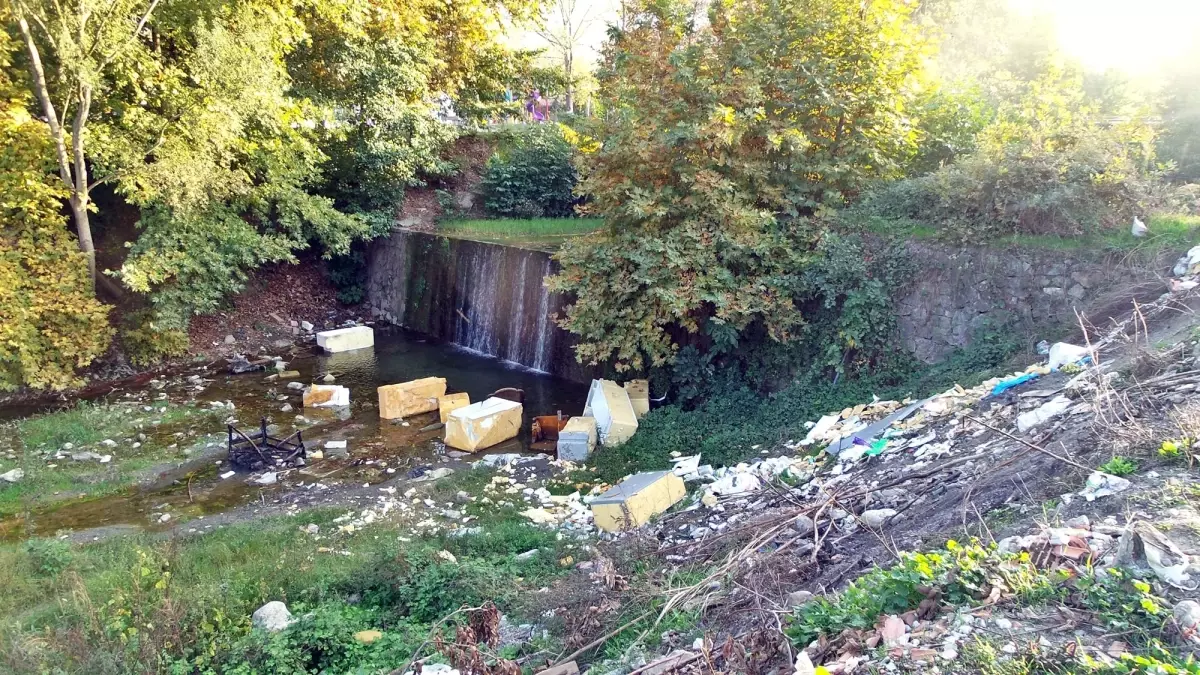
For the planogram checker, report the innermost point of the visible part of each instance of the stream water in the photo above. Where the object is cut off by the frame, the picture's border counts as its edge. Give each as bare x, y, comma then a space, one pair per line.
378, 450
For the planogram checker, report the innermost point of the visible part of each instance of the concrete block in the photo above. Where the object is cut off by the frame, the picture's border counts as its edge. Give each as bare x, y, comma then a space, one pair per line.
397, 401
577, 439
636, 500
326, 396
484, 424
451, 402
346, 339
639, 396
609, 403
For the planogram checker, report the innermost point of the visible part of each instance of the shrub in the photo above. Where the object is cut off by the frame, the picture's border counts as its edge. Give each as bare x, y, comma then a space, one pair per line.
147, 340
531, 175
1047, 165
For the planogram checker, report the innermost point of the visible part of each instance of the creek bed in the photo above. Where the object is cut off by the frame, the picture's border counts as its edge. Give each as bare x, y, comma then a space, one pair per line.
191, 487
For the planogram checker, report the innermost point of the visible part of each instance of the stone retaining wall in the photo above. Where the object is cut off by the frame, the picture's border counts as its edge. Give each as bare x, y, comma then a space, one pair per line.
959, 290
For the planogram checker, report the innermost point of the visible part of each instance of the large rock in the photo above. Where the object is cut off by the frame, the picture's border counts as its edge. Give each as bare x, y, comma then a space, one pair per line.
397, 401
636, 500
609, 404
346, 339
482, 425
13, 476
272, 617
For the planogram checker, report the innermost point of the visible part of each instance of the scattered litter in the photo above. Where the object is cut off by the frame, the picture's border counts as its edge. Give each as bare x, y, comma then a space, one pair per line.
228, 474
1063, 353
269, 478
1139, 228
686, 466
1101, 484
1005, 385
1042, 414
733, 484
1141, 541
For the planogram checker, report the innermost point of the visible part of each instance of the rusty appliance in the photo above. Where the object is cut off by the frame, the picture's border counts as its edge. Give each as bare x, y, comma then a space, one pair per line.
545, 428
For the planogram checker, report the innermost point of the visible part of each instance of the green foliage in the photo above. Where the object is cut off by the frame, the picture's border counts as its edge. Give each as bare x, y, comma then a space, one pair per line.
50, 557
961, 575
854, 284
348, 274
1179, 143
51, 325
1121, 601
531, 175
948, 120
146, 341
709, 137
522, 228
983, 657
633, 290
1047, 164
1119, 466
139, 604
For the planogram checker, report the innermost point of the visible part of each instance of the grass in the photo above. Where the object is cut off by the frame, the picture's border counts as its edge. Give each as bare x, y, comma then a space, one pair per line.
35, 441
1168, 232
535, 232
144, 604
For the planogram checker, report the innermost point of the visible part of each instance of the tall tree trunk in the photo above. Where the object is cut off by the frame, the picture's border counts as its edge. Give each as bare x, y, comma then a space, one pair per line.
72, 173
569, 71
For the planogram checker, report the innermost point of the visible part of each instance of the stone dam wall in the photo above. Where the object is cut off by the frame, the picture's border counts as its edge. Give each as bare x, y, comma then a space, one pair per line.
491, 298
485, 297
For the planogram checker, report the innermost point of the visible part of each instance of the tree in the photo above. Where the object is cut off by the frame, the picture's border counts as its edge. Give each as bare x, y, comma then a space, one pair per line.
86, 38
50, 323
718, 140
563, 23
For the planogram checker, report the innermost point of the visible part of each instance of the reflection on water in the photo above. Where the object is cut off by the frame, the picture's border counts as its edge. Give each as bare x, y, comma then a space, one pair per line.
374, 445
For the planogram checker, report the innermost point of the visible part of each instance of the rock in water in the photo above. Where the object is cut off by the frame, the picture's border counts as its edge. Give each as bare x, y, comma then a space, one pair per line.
272, 617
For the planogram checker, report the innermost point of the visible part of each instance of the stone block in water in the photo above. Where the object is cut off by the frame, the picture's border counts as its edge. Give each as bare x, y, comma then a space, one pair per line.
636, 500
609, 403
397, 401
451, 402
639, 396
326, 396
346, 339
577, 439
484, 424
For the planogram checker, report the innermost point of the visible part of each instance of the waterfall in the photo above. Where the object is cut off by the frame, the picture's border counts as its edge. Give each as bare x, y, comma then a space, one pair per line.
516, 317
485, 297
541, 359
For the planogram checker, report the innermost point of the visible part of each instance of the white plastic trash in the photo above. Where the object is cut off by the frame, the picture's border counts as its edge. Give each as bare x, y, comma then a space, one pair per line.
1062, 353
